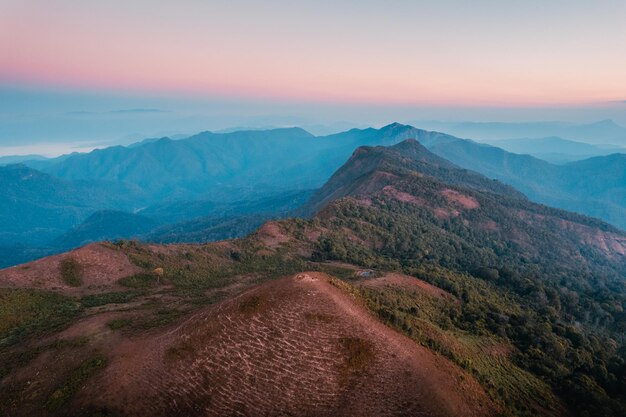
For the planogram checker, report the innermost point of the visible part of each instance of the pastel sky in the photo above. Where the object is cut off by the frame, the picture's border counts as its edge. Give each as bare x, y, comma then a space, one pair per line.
402, 53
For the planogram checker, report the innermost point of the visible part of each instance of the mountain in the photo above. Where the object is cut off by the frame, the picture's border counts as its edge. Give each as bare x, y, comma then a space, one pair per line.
417, 287
37, 208
554, 149
195, 186
35, 205
410, 178
106, 225
601, 132
224, 165
16, 159
594, 186
370, 168
202, 165
170, 212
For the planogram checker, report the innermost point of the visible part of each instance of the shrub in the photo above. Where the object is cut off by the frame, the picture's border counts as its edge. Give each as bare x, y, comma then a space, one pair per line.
24, 312
71, 272
359, 353
96, 300
117, 324
76, 378
250, 305
138, 281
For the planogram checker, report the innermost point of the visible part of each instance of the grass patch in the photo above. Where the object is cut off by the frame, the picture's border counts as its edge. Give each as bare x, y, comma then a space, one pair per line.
138, 281
24, 312
77, 377
202, 267
117, 324
96, 300
320, 317
160, 318
20, 359
71, 272
358, 352
250, 305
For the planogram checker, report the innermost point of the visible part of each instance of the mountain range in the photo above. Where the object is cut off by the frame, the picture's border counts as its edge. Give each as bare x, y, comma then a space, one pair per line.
604, 132
554, 149
191, 187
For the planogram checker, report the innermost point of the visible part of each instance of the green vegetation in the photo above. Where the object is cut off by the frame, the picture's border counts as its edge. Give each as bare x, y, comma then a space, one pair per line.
117, 324
566, 322
201, 267
71, 272
141, 280
13, 360
95, 300
439, 323
160, 318
560, 323
26, 312
73, 381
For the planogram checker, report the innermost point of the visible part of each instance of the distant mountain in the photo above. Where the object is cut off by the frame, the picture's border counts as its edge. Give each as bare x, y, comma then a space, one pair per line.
595, 186
207, 164
35, 206
226, 166
16, 159
169, 212
106, 225
209, 228
555, 149
602, 132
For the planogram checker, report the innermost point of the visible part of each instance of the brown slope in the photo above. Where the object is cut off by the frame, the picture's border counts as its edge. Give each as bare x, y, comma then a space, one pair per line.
100, 269
297, 346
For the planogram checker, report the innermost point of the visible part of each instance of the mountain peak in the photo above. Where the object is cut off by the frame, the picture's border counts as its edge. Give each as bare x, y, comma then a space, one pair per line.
371, 168
395, 126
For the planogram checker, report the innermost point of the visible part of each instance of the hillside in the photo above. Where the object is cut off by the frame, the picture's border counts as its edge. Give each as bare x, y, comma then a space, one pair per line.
305, 344
304, 347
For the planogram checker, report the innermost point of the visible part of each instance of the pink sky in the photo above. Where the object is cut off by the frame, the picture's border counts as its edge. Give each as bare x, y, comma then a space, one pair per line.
420, 52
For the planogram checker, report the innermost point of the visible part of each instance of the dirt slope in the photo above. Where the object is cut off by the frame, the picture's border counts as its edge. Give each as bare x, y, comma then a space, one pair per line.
100, 269
297, 346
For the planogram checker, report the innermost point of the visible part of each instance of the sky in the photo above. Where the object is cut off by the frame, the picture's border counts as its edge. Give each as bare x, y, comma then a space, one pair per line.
70, 70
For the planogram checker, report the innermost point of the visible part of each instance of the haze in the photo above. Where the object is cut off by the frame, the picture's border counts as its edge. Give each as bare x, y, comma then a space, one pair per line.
71, 70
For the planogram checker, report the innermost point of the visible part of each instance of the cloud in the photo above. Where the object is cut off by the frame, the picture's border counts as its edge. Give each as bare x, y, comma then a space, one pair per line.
139, 111
120, 111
